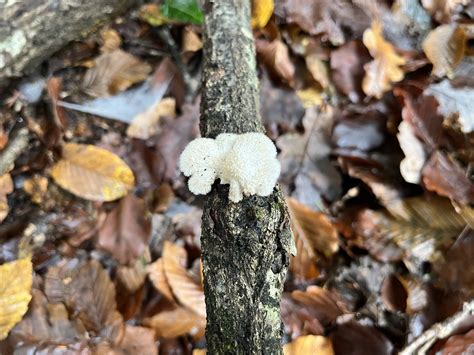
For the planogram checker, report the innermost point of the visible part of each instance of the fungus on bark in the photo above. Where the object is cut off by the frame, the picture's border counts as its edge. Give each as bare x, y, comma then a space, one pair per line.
247, 162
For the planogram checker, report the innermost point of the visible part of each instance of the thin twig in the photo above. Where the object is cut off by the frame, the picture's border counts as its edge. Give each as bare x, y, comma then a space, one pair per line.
17, 143
441, 330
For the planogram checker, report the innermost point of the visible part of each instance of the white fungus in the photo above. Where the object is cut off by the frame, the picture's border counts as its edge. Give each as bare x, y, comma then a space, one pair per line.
247, 162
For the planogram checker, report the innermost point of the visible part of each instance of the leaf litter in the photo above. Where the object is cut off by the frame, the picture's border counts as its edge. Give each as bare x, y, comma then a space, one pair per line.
370, 106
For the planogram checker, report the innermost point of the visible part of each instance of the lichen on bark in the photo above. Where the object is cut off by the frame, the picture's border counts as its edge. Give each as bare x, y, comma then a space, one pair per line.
245, 245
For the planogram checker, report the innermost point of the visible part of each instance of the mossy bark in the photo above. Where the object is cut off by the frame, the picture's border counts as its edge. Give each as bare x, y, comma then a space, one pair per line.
245, 245
32, 30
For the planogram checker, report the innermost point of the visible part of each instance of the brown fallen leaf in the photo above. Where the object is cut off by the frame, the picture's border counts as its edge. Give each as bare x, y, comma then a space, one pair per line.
92, 173
347, 67
276, 57
6, 187
90, 294
446, 177
310, 97
309, 344
325, 305
442, 10
126, 230
177, 322
114, 71
186, 290
385, 68
138, 340
459, 344
132, 277
318, 69
146, 124
53, 131
356, 338
191, 41
444, 46
262, 11
298, 319
156, 273
325, 17
313, 234
15, 293
111, 40
393, 293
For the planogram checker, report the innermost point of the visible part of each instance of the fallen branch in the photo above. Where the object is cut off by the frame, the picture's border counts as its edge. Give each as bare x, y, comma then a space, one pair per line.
441, 330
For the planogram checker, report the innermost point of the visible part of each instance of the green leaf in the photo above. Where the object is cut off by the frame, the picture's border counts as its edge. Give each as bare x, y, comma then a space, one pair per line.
183, 11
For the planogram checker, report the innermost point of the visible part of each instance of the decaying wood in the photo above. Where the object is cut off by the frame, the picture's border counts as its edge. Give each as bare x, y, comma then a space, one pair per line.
245, 245
32, 30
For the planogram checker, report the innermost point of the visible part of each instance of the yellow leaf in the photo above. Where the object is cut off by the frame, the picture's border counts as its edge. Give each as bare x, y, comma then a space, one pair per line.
310, 97
36, 187
309, 344
6, 187
444, 47
16, 279
385, 68
262, 11
92, 173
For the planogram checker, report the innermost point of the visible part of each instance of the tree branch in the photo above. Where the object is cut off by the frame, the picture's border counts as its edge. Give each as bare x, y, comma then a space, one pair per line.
245, 245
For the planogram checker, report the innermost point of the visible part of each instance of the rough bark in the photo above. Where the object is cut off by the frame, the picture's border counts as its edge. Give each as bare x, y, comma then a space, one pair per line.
245, 246
32, 30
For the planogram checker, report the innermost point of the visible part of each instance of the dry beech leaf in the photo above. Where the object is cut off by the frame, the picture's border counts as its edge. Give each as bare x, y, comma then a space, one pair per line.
139, 341
444, 46
132, 277
199, 351
385, 68
146, 123
176, 322
90, 294
309, 344
113, 72
92, 173
262, 10
310, 97
324, 304
126, 230
156, 273
446, 177
16, 279
186, 290
276, 57
314, 227
6, 187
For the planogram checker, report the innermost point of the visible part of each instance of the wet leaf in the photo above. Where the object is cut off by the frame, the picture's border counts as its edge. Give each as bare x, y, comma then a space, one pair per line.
113, 72
262, 10
6, 187
309, 344
15, 293
92, 173
385, 68
445, 176
183, 11
126, 230
186, 290
444, 46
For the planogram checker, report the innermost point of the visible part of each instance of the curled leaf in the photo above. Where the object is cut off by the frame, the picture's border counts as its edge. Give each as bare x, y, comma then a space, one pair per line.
385, 68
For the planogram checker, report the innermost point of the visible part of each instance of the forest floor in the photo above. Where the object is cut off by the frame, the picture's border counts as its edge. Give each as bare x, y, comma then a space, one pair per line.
371, 107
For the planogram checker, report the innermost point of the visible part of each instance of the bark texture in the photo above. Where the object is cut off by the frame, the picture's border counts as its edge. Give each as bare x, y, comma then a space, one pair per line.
245, 245
32, 30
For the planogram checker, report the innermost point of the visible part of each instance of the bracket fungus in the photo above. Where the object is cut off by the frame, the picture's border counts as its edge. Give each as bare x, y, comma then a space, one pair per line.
247, 162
